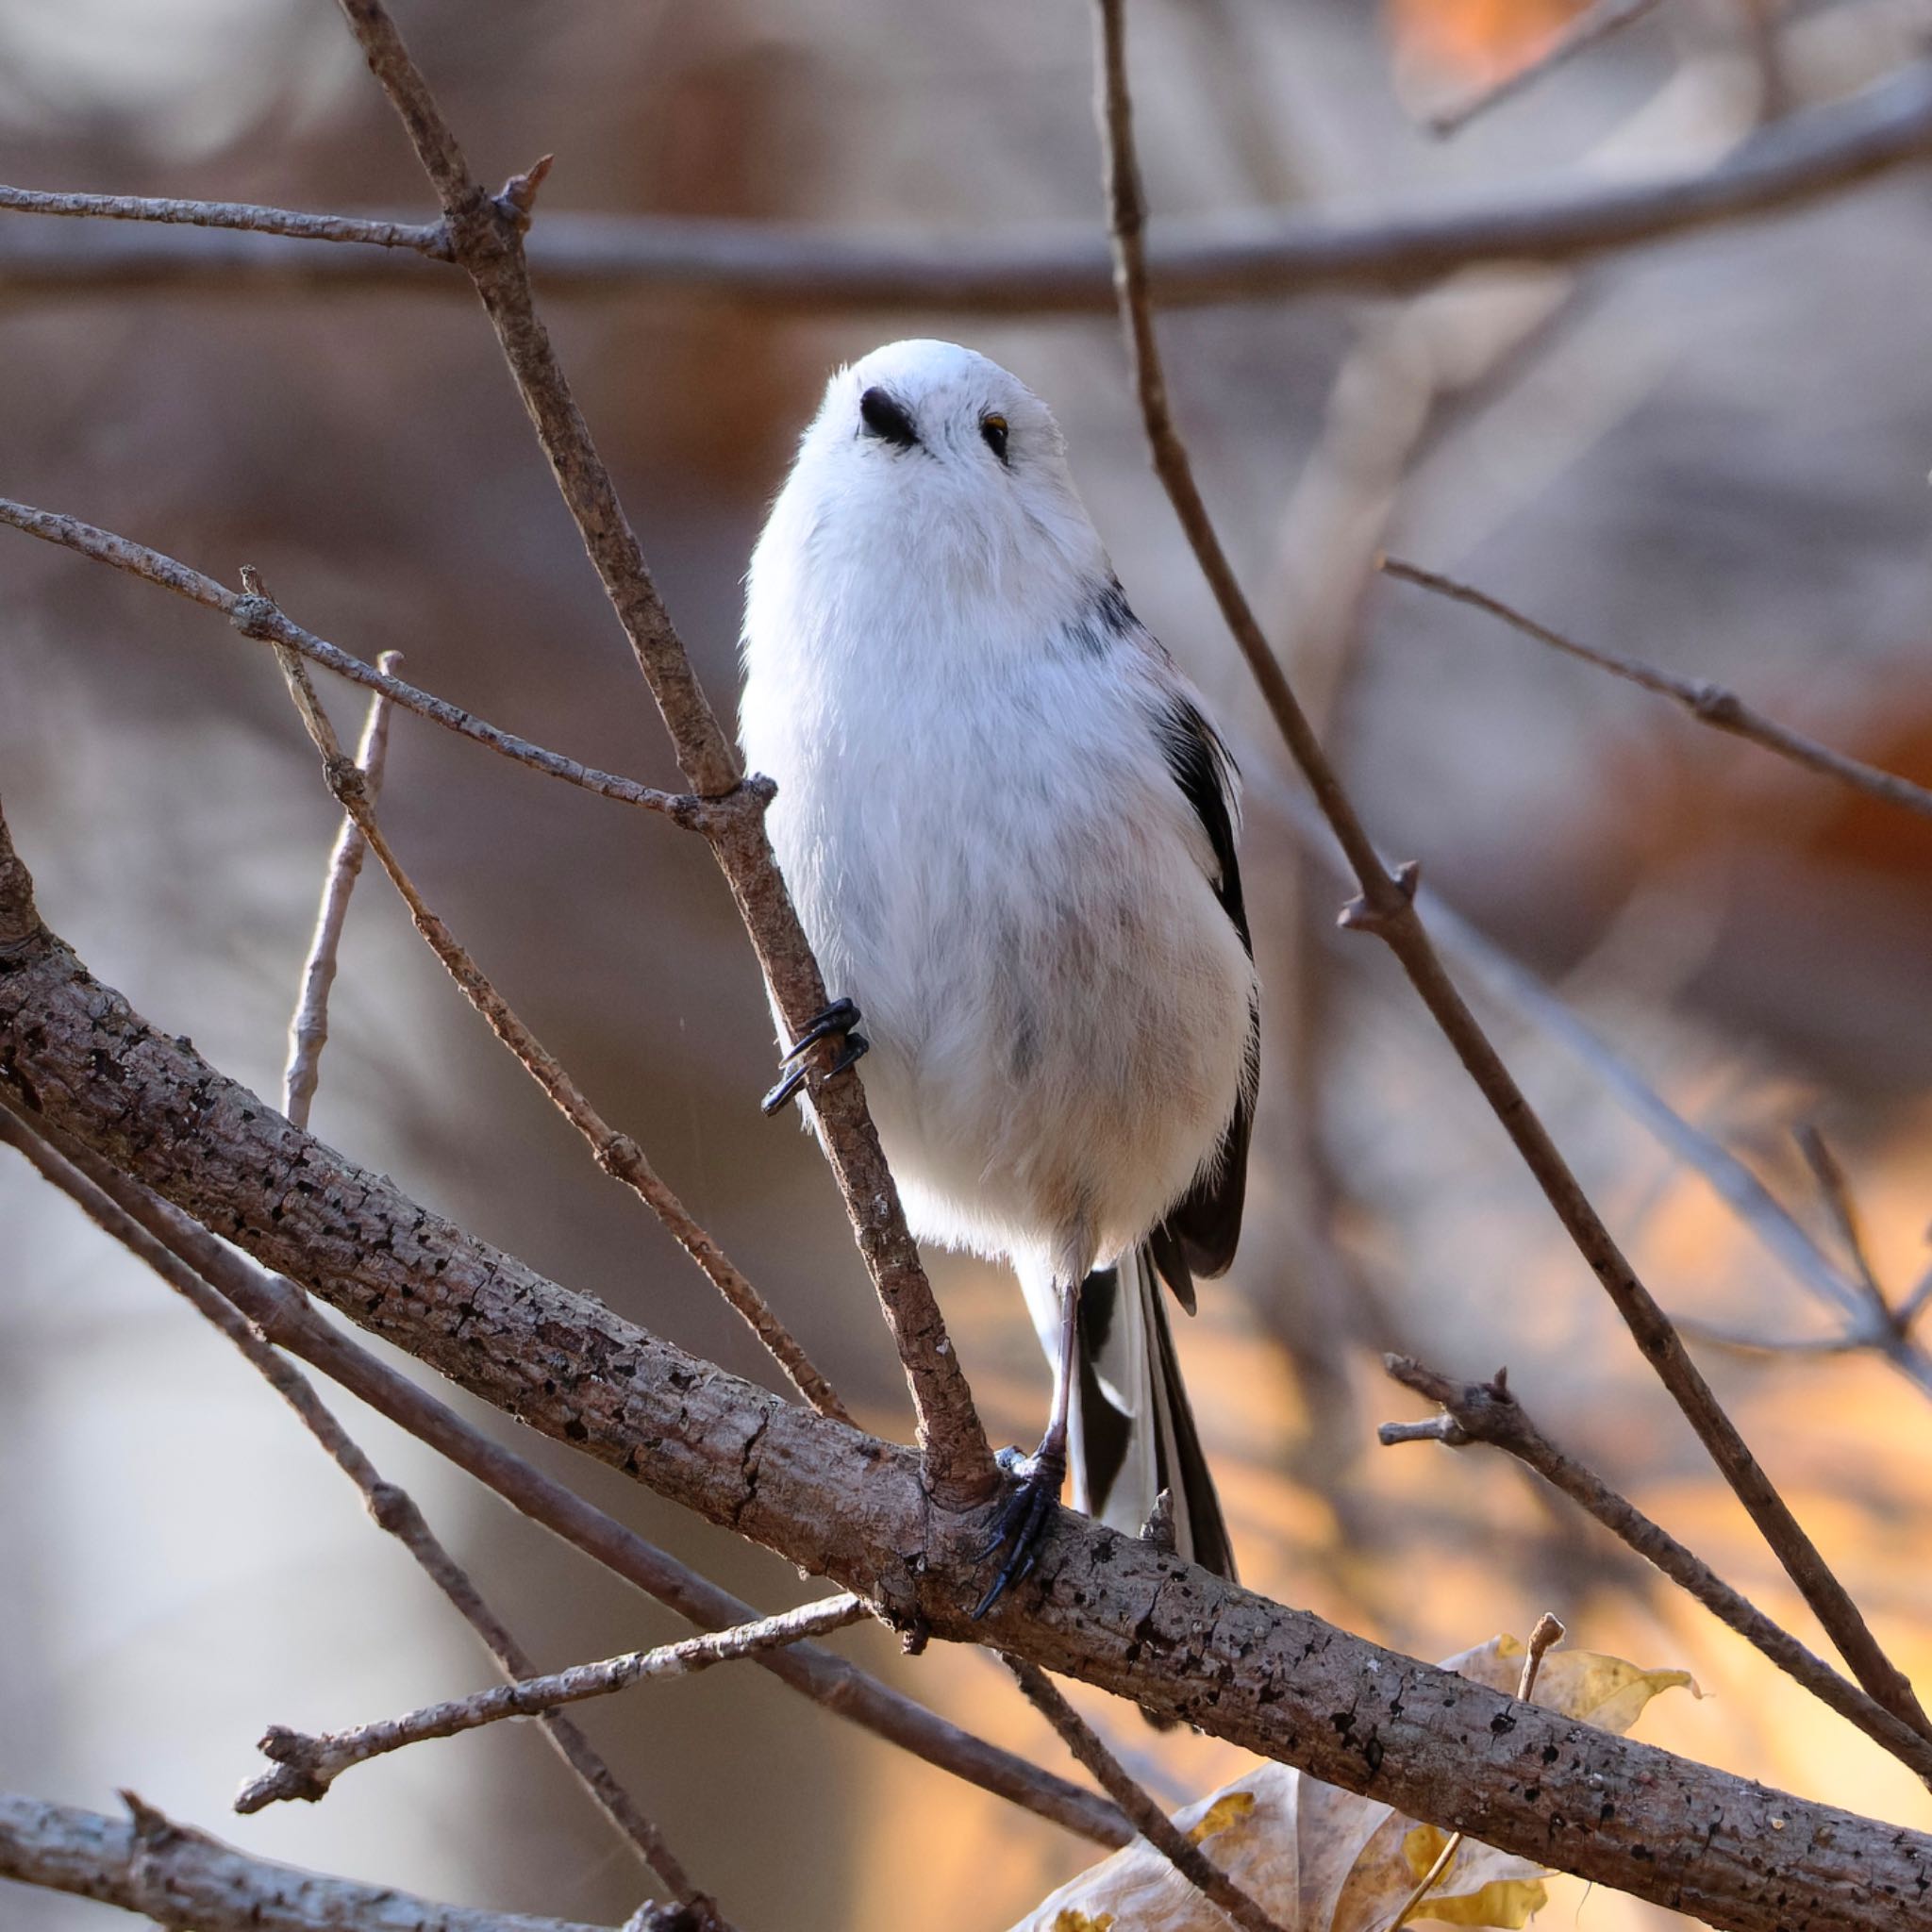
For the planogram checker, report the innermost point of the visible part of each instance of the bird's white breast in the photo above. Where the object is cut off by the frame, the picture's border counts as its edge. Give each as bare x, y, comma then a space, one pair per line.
992, 858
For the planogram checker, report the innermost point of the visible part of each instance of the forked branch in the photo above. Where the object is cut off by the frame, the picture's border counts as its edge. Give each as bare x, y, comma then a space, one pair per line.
1386, 909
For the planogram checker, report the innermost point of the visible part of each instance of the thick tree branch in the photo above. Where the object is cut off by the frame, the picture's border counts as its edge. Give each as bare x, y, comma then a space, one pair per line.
280, 1308
304, 1766
1386, 909
487, 236
1106, 1609
1710, 703
1489, 1412
1041, 271
179, 1876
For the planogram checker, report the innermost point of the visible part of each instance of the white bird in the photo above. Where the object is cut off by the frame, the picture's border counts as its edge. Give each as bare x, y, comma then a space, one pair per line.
1010, 832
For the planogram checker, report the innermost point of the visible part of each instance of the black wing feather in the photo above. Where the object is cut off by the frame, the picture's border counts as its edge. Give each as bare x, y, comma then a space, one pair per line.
1199, 1236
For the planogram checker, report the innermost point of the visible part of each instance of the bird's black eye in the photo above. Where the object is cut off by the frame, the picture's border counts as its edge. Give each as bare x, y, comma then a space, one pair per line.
884, 417
994, 430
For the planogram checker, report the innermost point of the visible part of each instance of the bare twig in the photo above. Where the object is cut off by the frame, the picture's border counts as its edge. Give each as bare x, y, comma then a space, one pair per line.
1386, 909
256, 619
1490, 1412
304, 1766
308, 1027
1590, 29
617, 1154
1710, 703
423, 238
1153, 1824
178, 1876
1037, 271
388, 1505
284, 1314
486, 234
1836, 1194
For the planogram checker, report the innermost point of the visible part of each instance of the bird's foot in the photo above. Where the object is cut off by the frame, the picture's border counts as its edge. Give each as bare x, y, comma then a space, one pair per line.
1021, 1530
842, 1018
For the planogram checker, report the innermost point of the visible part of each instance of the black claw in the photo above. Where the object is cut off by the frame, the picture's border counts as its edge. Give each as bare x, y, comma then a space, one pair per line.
1021, 1530
841, 1016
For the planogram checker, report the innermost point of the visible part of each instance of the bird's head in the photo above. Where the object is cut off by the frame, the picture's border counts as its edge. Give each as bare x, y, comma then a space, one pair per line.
929, 460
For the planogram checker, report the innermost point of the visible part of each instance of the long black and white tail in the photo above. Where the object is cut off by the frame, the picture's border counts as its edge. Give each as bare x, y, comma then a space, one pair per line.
1131, 1432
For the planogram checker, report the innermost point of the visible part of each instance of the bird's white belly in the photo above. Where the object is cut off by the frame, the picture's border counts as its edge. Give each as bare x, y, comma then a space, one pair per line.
1057, 1006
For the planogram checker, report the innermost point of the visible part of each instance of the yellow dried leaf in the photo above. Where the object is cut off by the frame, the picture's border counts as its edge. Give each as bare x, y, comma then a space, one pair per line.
1503, 1902
1227, 1809
1319, 1860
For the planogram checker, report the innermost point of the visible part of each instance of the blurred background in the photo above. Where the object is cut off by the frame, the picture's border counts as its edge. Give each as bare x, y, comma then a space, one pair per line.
1711, 453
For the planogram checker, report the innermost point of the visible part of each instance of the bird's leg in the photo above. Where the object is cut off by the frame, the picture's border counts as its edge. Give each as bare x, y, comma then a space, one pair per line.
841, 1017
1023, 1517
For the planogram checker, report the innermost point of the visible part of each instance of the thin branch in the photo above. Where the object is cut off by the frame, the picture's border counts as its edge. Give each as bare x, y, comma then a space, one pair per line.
391, 1507
284, 1314
421, 238
1836, 1194
1548, 1632
1149, 1820
308, 1027
1528, 998
617, 1154
178, 1876
306, 1767
1710, 703
1041, 270
1490, 1412
1852, 1341
487, 236
1108, 1610
256, 618
1588, 29
1386, 909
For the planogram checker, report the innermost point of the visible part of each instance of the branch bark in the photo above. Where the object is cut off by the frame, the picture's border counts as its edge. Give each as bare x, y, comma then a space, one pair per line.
1059, 270
179, 1876
305, 1766
1106, 1609
285, 1316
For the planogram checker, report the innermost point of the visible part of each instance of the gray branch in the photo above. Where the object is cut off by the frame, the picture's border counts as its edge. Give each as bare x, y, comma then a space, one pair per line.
146, 1864
1044, 270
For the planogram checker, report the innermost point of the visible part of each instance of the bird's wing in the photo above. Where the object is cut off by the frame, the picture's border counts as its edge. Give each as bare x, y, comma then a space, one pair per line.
1200, 1235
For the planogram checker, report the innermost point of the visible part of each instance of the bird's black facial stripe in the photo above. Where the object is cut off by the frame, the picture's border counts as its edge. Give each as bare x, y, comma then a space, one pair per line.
887, 418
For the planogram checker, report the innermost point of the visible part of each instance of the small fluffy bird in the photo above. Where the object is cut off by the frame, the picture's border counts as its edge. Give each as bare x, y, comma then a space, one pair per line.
1010, 831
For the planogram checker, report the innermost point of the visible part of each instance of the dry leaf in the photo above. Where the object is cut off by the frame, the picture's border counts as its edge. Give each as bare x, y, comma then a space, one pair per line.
1320, 1859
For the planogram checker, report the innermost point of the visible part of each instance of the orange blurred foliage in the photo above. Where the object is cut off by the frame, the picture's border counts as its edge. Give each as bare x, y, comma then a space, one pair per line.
1472, 43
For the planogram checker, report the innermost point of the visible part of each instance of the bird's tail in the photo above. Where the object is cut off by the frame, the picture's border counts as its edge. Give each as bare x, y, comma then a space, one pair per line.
1131, 1432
